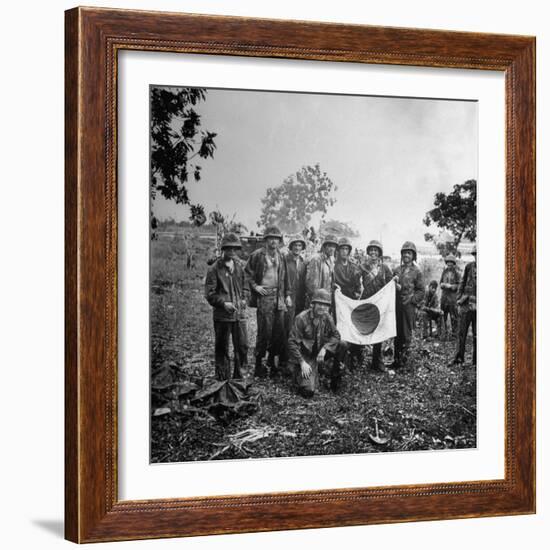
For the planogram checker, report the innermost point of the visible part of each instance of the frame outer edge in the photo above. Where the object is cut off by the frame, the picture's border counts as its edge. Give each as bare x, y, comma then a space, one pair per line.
88, 514
525, 111
72, 448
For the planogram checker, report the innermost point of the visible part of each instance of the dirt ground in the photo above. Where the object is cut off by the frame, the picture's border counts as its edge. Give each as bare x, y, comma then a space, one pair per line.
427, 407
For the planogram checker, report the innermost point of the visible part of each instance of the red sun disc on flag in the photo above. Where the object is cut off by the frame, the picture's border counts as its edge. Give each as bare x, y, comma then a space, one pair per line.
365, 318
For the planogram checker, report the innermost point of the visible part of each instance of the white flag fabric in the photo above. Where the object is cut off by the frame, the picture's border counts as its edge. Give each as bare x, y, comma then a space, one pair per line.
367, 321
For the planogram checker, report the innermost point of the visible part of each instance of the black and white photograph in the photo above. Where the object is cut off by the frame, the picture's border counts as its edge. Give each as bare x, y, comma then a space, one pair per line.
313, 268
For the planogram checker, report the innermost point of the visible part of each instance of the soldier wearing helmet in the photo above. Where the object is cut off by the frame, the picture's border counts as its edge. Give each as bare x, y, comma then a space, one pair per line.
409, 284
347, 277
467, 304
450, 279
314, 345
320, 269
375, 275
266, 273
296, 281
226, 290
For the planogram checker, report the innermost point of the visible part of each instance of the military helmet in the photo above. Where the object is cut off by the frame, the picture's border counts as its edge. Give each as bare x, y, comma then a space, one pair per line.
409, 245
450, 258
344, 241
273, 231
230, 240
375, 244
321, 296
296, 239
330, 239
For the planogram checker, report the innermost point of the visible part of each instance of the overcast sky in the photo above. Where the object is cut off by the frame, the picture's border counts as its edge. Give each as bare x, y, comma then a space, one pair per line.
388, 156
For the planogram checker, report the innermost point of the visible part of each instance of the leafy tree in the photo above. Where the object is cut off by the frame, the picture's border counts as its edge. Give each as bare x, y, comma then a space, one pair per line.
291, 204
340, 229
455, 213
176, 139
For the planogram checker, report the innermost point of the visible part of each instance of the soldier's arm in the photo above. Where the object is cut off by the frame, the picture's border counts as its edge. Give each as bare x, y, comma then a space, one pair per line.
210, 289
357, 282
462, 283
250, 270
419, 290
334, 335
396, 276
294, 339
456, 280
244, 282
286, 275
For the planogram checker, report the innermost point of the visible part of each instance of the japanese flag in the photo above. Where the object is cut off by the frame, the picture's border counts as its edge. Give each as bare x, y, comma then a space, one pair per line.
367, 321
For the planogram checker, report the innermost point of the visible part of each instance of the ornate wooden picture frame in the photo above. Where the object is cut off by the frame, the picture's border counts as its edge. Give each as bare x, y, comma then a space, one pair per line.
94, 37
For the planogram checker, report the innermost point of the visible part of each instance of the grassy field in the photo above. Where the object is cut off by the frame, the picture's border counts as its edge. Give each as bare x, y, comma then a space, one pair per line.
428, 407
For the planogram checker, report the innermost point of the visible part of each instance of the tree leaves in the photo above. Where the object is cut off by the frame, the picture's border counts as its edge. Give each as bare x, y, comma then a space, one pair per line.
176, 139
291, 205
455, 213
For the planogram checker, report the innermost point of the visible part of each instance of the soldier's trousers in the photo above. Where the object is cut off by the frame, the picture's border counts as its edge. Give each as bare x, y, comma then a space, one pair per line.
405, 316
289, 316
467, 317
332, 366
376, 356
427, 318
450, 312
271, 327
236, 330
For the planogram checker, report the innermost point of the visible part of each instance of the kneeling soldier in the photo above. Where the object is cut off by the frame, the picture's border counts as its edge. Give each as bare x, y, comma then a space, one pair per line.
226, 290
315, 344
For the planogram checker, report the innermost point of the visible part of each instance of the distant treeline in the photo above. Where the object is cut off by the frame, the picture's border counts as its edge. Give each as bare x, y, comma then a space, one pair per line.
172, 225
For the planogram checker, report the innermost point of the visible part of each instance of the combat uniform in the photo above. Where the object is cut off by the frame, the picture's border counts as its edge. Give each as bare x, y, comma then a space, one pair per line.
226, 282
319, 274
269, 272
308, 335
467, 301
450, 276
374, 278
296, 281
408, 299
348, 277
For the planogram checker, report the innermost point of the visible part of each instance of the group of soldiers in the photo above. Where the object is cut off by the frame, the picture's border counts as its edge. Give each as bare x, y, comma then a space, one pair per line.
294, 301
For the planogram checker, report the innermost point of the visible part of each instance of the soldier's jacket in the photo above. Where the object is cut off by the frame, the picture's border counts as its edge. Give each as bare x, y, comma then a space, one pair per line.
223, 286
412, 285
467, 290
255, 270
450, 276
310, 334
319, 274
348, 278
431, 302
373, 282
296, 277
